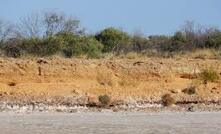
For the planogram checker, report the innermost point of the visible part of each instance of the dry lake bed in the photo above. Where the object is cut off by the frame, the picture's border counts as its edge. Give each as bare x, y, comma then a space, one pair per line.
111, 123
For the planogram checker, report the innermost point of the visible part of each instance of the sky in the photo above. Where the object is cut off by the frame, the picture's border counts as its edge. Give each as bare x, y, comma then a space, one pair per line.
146, 16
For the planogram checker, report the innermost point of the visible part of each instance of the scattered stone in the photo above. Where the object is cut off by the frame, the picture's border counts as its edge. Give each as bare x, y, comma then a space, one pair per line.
174, 91
138, 63
188, 76
190, 109
41, 61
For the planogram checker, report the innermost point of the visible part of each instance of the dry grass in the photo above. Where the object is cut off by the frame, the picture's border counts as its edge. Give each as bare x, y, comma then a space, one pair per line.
209, 75
105, 79
202, 54
168, 100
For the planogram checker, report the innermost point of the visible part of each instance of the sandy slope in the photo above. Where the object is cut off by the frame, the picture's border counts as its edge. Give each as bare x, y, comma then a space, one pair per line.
122, 79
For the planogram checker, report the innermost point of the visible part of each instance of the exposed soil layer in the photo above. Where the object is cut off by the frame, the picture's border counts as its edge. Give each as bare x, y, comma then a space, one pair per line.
71, 82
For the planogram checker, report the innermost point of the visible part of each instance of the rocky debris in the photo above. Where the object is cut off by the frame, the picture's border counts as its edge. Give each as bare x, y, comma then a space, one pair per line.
42, 61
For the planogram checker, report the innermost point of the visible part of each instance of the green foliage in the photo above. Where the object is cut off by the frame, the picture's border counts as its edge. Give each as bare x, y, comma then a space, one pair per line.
74, 45
13, 51
177, 43
51, 33
214, 40
41, 47
104, 100
140, 43
11, 48
112, 39
209, 75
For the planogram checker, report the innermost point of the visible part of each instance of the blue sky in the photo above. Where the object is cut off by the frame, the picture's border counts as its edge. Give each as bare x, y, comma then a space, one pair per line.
148, 16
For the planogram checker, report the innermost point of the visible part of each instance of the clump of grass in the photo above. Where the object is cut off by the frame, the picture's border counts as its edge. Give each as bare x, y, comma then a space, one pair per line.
104, 100
168, 100
209, 75
190, 90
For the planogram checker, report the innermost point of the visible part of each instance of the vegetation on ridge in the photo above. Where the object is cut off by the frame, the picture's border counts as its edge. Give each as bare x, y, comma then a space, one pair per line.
55, 33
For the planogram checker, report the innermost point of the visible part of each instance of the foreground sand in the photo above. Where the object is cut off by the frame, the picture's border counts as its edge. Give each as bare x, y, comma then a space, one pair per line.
60, 81
111, 123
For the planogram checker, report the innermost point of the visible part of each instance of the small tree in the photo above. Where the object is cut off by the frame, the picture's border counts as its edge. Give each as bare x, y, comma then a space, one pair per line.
113, 39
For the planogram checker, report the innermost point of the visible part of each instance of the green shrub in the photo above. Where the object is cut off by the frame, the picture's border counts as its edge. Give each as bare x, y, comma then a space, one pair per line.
31, 45
78, 45
113, 39
51, 46
12, 48
213, 40
13, 51
41, 47
68, 53
209, 75
104, 100
140, 43
177, 43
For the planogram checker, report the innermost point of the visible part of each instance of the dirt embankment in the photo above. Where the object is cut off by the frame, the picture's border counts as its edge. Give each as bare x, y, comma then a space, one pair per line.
80, 81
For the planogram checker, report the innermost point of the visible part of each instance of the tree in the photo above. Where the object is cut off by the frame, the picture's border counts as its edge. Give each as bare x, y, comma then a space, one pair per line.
6, 30
46, 25
30, 26
56, 23
113, 39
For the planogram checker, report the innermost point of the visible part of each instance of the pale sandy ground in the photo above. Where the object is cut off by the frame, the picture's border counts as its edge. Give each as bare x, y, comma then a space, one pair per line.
80, 81
111, 123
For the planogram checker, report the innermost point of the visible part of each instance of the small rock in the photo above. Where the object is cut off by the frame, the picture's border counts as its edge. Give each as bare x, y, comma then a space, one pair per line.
190, 109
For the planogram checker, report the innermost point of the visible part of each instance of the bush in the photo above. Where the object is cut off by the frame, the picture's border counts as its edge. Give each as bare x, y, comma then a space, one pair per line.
31, 45
13, 51
104, 100
51, 46
214, 40
113, 39
177, 43
190, 90
168, 100
78, 45
140, 43
12, 48
41, 47
209, 75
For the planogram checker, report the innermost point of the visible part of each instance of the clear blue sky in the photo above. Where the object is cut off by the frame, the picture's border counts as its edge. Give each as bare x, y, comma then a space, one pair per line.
149, 16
